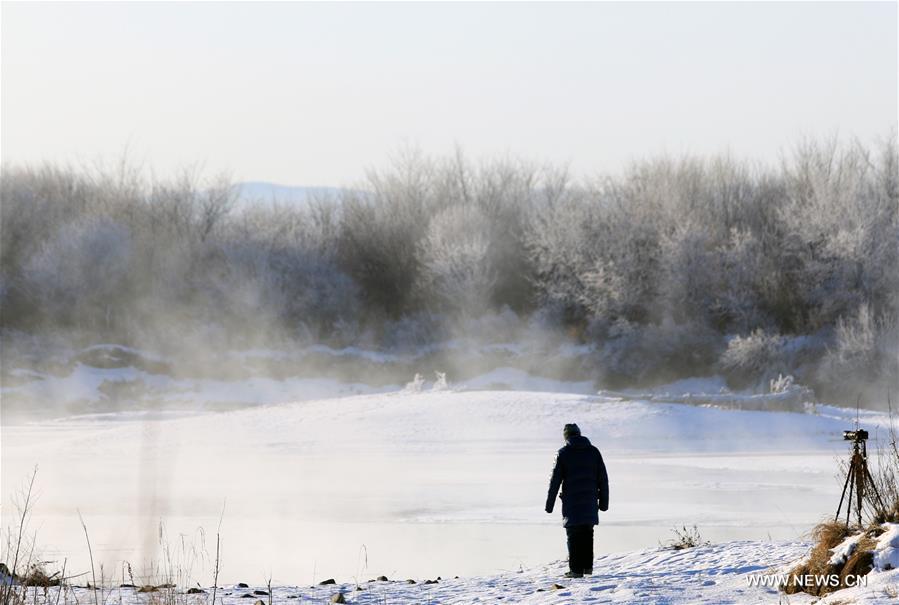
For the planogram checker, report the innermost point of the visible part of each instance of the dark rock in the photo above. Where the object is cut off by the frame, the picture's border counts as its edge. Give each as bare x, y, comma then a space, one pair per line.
328, 581
558, 587
260, 593
338, 598
116, 356
430, 581
127, 586
195, 590
147, 589
246, 596
243, 585
383, 579
410, 581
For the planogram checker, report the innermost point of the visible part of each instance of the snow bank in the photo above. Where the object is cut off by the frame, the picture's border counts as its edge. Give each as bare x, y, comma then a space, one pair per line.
513, 379
844, 549
886, 553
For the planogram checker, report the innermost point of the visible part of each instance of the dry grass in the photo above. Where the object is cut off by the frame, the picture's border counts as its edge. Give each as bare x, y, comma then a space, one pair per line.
37, 576
32, 583
886, 476
827, 536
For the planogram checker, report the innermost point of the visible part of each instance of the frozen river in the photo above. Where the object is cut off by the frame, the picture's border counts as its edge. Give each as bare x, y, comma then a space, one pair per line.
409, 484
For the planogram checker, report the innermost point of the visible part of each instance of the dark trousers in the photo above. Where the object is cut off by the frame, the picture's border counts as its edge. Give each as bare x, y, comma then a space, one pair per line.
580, 548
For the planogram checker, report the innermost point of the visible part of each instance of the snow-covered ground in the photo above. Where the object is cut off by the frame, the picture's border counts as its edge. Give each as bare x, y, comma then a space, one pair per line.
719, 574
425, 484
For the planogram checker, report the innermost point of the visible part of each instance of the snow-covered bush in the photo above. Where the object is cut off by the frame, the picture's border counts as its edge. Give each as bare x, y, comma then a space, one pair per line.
754, 359
440, 383
416, 385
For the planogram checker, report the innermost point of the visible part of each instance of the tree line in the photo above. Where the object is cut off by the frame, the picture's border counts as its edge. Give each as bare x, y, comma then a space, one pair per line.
673, 267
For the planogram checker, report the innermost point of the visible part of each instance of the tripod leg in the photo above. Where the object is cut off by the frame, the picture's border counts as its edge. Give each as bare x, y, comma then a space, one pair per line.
851, 489
859, 491
843, 495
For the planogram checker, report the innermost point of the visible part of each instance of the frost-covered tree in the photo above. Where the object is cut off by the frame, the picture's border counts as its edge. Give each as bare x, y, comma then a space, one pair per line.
794, 266
78, 275
840, 230
456, 265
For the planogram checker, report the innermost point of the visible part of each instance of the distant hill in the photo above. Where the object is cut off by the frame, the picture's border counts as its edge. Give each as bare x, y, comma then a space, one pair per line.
260, 191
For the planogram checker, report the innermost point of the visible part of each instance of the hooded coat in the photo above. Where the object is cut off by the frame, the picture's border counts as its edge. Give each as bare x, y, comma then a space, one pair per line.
581, 474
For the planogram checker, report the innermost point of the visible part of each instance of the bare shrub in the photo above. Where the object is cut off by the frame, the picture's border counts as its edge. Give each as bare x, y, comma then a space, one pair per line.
865, 350
641, 355
685, 537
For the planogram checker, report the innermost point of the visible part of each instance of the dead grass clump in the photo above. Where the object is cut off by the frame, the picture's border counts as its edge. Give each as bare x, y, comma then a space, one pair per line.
826, 537
858, 564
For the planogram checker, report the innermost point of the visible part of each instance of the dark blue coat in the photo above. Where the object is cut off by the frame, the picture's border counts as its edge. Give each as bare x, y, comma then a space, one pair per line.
581, 473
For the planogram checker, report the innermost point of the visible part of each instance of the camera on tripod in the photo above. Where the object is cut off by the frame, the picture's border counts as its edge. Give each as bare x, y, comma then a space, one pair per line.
857, 435
862, 488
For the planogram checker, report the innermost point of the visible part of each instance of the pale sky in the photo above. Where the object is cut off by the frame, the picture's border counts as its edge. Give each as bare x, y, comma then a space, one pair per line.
314, 94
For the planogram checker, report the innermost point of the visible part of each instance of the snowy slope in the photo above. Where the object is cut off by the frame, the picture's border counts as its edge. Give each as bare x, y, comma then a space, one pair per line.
718, 574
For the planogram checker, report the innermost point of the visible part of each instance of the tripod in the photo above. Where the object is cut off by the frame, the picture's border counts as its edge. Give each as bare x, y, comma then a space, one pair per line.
858, 479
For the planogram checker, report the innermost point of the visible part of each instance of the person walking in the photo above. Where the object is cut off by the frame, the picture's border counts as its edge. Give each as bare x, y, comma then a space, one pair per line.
581, 474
